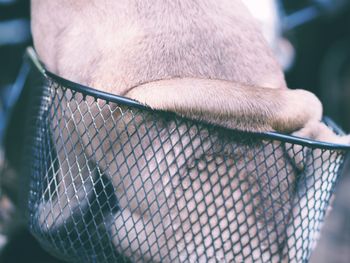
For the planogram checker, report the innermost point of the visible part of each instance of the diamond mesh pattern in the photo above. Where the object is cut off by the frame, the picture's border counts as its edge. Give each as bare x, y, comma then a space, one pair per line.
115, 183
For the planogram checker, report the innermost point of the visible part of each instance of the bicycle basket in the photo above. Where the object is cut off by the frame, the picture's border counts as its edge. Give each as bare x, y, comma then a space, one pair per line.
111, 180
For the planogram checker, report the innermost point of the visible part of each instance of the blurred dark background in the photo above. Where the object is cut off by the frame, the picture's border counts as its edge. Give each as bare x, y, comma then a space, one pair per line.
318, 30
322, 63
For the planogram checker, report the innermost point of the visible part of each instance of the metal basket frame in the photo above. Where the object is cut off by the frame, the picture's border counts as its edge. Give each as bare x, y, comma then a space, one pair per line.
58, 244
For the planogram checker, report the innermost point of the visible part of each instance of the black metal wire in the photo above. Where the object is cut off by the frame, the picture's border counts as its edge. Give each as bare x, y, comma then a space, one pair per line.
114, 181
108, 97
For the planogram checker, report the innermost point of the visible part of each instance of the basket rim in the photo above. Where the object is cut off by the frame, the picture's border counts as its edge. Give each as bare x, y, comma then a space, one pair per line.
109, 97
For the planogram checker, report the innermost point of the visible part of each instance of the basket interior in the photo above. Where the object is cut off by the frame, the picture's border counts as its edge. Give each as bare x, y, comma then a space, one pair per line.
113, 182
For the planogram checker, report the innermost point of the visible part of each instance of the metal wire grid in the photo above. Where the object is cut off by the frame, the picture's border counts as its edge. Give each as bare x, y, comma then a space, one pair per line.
112, 182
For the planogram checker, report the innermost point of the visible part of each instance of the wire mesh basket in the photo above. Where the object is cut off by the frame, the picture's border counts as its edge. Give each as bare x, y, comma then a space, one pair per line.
111, 180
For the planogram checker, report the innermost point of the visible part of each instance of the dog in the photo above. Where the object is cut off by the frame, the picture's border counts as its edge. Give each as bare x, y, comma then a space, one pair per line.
233, 67
204, 60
